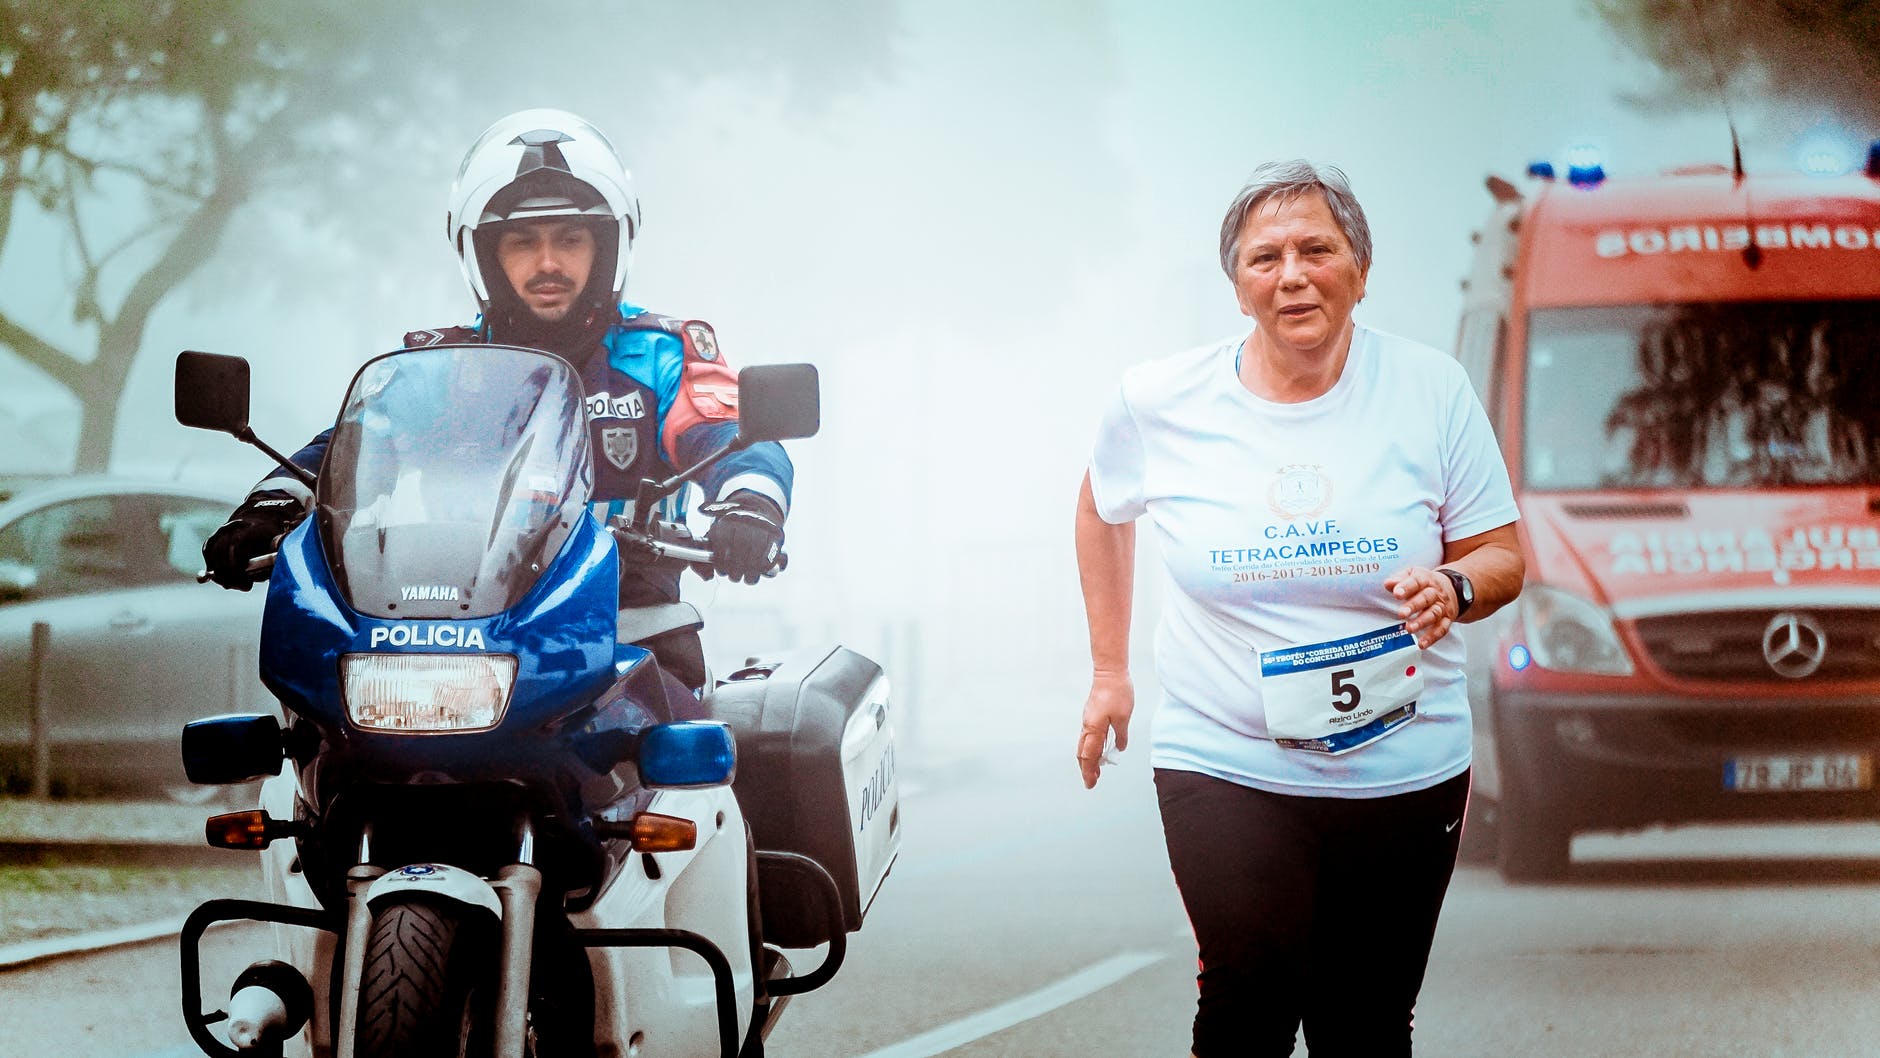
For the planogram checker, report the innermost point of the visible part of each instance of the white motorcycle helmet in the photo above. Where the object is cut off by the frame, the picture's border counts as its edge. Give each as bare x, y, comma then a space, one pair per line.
534, 164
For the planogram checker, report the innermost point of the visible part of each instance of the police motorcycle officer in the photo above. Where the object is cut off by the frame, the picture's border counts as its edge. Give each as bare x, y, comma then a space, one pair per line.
542, 218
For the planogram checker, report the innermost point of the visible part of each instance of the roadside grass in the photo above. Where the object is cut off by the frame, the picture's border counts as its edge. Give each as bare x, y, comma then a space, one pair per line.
78, 820
50, 898
52, 894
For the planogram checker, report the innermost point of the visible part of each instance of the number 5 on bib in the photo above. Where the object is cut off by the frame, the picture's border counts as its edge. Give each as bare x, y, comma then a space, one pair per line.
1336, 696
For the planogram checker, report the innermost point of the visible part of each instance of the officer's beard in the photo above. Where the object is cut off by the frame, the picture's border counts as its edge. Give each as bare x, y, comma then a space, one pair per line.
574, 336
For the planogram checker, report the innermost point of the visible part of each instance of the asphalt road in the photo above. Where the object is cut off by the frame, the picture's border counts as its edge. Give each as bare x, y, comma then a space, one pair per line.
1028, 917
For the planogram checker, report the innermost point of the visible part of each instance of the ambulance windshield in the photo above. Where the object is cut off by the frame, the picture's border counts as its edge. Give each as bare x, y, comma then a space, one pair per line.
1712, 395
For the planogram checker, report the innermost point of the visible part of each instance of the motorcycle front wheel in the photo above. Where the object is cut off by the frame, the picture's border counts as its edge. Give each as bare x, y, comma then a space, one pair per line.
429, 983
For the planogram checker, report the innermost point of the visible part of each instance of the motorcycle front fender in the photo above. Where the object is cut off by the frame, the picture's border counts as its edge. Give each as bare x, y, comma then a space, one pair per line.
435, 881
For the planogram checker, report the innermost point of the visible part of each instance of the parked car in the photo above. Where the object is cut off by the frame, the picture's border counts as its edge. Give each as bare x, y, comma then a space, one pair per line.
136, 646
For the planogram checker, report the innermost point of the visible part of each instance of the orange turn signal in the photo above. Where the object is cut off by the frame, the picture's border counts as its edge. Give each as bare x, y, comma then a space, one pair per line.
239, 830
653, 832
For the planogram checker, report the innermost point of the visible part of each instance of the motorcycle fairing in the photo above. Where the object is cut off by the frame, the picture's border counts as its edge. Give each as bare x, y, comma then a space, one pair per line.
561, 633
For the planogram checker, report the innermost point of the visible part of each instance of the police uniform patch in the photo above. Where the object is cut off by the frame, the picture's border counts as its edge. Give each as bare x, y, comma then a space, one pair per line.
703, 341
620, 444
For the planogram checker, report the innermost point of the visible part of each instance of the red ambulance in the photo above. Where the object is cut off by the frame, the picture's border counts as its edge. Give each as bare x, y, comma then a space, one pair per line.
1684, 373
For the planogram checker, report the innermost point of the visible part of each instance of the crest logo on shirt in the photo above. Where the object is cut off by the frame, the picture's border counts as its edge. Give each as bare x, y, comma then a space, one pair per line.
704, 343
620, 444
1299, 491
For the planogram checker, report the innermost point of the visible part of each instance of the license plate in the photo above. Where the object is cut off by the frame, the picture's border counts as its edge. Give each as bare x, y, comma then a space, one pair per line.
1803, 771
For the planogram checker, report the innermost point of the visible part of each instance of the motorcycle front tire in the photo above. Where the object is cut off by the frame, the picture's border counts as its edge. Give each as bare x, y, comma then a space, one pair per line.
429, 983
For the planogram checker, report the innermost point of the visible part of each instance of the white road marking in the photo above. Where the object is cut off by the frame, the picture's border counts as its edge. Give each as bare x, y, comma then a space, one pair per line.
1024, 1008
32, 951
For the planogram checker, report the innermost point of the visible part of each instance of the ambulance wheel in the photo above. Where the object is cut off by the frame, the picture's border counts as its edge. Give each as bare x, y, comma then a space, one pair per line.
1480, 823
1533, 843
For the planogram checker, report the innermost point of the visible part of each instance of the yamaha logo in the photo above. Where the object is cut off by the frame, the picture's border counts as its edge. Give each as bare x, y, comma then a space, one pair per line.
1794, 644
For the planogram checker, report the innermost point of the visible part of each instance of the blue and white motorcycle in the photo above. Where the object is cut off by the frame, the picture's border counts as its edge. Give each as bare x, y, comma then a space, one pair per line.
492, 839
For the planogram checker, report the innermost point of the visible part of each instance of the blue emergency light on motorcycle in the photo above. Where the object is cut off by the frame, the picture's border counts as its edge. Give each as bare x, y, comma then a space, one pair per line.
232, 748
687, 754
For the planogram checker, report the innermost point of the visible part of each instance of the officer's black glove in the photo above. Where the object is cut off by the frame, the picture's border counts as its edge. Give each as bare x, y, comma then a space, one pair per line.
746, 535
249, 533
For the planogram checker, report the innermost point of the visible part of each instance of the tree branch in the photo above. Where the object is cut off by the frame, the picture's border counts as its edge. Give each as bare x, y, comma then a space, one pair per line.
93, 166
85, 305
195, 240
9, 188
56, 362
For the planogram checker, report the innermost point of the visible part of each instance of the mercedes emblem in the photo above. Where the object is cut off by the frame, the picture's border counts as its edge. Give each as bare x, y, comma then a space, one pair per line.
1794, 644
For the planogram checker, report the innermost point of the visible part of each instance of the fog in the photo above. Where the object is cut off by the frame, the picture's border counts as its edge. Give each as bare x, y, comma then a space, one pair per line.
971, 217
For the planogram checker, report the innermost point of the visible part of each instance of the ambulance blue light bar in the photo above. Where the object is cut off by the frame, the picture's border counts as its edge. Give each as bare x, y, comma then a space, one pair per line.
1541, 170
1826, 152
1584, 168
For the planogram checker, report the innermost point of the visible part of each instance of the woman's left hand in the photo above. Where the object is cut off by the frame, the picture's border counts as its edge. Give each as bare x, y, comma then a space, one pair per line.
1429, 603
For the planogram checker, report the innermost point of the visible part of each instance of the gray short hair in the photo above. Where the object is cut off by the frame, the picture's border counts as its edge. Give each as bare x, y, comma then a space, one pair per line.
1286, 181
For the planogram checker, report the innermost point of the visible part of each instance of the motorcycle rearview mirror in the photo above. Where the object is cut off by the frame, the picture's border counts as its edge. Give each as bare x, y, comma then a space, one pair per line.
236, 748
212, 394
687, 754
778, 402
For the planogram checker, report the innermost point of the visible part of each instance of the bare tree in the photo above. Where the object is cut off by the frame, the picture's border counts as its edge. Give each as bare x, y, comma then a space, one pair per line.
138, 130
1824, 51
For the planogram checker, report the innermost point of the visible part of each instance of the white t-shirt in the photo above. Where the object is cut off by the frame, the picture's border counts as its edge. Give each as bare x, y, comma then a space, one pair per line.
1278, 525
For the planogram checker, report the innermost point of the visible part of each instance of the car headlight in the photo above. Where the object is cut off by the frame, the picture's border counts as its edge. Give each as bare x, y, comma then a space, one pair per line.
1569, 634
427, 692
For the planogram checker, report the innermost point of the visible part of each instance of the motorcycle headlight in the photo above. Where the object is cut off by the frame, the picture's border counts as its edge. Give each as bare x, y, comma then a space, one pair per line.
423, 693
1569, 634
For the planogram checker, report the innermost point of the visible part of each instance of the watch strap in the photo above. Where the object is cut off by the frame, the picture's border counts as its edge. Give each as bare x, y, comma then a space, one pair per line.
1464, 588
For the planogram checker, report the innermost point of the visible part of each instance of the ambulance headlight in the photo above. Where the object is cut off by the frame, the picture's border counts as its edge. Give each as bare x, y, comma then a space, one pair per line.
1569, 634
426, 693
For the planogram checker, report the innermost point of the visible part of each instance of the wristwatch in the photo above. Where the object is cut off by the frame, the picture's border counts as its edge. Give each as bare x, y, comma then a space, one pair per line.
1465, 592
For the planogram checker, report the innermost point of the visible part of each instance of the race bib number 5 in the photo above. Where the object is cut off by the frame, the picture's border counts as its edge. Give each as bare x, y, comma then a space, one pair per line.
1336, 696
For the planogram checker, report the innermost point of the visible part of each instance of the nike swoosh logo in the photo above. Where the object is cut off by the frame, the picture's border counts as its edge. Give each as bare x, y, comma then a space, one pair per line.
1452, 826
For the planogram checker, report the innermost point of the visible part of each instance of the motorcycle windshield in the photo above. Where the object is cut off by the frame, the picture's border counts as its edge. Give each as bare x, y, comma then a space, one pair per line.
452, 478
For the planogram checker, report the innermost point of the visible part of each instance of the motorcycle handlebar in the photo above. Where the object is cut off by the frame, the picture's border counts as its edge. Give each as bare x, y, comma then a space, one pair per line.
257, 565
689, 553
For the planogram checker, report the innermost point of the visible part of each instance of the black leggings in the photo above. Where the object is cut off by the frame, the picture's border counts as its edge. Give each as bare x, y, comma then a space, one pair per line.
1314, 909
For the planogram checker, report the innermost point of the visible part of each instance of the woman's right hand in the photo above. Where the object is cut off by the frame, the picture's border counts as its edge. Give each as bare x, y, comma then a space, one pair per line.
1112, 700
